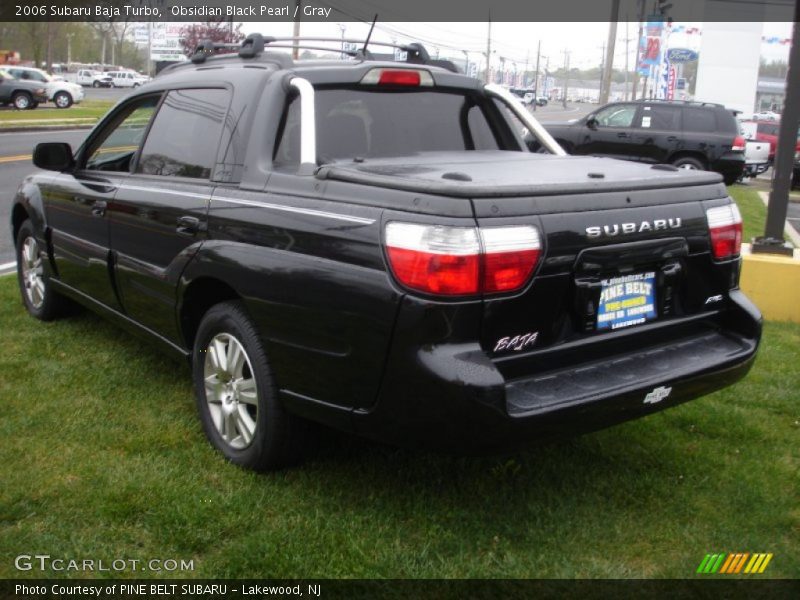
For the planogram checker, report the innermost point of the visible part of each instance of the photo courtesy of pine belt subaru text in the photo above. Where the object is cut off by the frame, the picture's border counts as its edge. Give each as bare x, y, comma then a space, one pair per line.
370, 245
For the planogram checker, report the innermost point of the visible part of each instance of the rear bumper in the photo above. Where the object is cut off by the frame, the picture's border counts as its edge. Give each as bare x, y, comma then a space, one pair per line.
730, 165
453, 398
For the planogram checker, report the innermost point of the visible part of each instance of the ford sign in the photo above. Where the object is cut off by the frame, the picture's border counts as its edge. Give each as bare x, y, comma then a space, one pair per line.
681, 55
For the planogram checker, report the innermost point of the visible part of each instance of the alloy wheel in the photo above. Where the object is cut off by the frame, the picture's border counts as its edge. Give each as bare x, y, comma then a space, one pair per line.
231, 390
32, 272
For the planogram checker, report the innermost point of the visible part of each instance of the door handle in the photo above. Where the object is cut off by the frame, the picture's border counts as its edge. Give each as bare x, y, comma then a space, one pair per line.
189, 225
672, 138
622, 135
99, 208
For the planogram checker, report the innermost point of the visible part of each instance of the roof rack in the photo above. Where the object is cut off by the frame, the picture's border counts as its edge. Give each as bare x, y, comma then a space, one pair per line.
255, 44
694, 102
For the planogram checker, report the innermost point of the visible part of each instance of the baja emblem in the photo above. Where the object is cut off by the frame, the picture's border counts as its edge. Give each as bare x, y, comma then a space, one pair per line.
516, 343
657, 395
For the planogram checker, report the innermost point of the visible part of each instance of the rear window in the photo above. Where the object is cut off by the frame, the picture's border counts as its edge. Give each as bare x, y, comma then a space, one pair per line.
768, 128
380, 123
700, 120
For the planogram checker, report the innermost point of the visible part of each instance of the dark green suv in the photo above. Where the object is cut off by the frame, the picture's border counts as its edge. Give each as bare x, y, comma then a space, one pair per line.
689, 135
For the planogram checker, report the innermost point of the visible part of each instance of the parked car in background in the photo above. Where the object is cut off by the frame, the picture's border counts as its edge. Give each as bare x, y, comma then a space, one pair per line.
129, 79
765, 131
94, 79
688, 135
796, 171
22, 94
61, 93
766, 115
756, 158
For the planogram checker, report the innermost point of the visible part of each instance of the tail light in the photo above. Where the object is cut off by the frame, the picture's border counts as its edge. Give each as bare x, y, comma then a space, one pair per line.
725, 229
401, 77
458, 261
510, 255
739, 143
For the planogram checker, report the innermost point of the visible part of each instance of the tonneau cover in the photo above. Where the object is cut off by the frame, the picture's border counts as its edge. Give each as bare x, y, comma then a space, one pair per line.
498, 173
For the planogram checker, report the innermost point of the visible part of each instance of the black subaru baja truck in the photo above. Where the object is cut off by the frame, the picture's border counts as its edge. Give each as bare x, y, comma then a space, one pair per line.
369, 245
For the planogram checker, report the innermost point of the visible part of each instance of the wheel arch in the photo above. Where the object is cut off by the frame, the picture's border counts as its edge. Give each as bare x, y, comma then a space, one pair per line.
196, 298
18, 216
699, 156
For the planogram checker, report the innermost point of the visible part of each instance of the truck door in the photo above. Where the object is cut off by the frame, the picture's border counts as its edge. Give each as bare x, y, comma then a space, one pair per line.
158, 219
608, 132
77, 202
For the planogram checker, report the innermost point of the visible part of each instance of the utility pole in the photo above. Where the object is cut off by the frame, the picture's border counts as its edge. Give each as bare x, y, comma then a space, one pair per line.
566, 78
602, 75
609, 63
525, 71
488, 48
627, 56
536, 79
638, 50
296, 31
342, 28
772, 241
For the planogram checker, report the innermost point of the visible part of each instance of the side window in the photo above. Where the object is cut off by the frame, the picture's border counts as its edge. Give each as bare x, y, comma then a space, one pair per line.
117, 143
619, 115
661, 117
699, 120
482, 136
185, 134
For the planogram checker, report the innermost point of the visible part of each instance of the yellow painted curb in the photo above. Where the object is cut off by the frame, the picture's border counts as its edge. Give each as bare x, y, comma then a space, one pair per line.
772, 282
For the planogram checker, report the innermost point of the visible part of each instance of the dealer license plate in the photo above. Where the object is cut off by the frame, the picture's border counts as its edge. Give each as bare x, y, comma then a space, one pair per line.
627, 300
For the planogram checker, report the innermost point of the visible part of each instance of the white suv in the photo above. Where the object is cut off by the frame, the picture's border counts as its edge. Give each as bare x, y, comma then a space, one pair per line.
126, 79
62, 93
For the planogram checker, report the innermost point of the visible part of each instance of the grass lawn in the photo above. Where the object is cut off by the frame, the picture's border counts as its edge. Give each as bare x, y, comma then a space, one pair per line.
103, 457
754, 213
88, 112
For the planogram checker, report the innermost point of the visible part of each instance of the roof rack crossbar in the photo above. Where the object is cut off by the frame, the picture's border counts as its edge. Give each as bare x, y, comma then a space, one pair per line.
255, 44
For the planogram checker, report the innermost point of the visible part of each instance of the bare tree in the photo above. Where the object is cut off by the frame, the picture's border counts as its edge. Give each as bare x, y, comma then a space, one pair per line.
217, 31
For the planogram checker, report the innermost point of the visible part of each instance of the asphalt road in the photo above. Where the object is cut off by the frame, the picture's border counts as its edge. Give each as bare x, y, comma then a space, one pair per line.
793, 215
15, 164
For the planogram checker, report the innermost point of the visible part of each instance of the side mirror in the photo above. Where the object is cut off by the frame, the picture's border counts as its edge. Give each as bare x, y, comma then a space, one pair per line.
53, 156
592, 123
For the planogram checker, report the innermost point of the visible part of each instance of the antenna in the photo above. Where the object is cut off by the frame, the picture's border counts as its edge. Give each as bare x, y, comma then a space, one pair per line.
369, 35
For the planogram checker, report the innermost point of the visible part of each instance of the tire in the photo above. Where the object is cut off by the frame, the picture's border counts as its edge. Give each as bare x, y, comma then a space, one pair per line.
22, 101
688, 163
135, 85
730, 179
238, 403
38, 296
62, 99
95, 84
